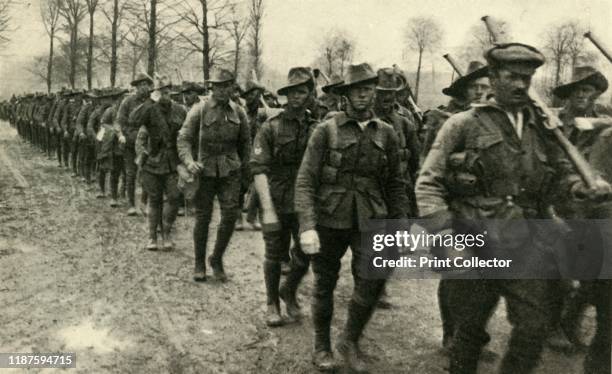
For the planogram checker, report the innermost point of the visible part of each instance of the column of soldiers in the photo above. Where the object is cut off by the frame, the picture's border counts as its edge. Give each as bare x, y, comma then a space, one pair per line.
323, 166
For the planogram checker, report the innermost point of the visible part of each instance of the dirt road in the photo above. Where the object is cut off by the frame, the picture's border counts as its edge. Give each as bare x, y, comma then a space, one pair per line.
74, 277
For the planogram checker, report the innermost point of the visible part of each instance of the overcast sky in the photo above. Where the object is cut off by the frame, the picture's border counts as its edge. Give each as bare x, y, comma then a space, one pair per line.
293, 28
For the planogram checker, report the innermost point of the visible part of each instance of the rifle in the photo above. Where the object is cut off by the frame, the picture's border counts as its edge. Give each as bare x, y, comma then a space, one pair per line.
553, 123
589, 35
453, 64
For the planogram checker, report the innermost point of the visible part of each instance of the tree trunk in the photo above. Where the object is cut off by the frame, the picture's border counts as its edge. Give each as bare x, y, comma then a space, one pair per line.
557, 71
205, 42
73, 55
418, 77
113, 62
90, 50
236, 57
152, 39
50, 63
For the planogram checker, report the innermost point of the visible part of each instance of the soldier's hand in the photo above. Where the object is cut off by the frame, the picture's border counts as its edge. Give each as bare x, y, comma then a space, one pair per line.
122, 139
194, 167
599, 192
66, 135
309, 240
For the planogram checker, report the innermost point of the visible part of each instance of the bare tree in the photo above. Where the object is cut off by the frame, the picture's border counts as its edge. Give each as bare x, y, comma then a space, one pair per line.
155, 19
336, 52
237, 29
5, 20
422, 34
137, 47
91, 9
49, 11
73, 12
559, 37
205, 20
113, 13
256, 14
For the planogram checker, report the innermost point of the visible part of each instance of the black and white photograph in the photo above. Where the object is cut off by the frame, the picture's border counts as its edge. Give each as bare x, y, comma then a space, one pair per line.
306, 186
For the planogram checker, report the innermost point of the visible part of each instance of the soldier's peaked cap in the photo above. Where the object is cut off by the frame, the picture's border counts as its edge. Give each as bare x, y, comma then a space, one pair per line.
221, 76
517, 57
357, 74
389, 80
335, 81
296, 77
252, 85
582, 75
476, 70
141, 77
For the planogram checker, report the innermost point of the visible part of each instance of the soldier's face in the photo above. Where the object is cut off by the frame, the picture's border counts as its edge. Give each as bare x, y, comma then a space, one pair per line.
361, 96
583, 97
385, 99
223, 91
510, 88
253, 96
477, 90
297, 97
191, 98
143, 88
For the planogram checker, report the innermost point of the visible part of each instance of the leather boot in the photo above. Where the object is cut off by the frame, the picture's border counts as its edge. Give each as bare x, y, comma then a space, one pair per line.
358, 317
200, 239
353, 358
167, 242
322, 312
272, 280
288, 292
224, 234
273, 316
324, 361
151, 244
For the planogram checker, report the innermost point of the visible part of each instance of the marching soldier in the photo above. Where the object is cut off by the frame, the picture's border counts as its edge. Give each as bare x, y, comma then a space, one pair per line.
350, 174
252, 95
277, 154
158, 159
215, 143
330, 101
80, 138
470, 88
519, 163
586, 86
109, 150
128, 120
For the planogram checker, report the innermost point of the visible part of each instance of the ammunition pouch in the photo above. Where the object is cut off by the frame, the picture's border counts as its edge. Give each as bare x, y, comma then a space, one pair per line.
464, 174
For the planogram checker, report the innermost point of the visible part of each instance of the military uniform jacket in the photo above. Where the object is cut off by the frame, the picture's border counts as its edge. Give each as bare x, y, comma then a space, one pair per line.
349, 175
162, 124
277, 152
128, 117
93, 123
109, 145
69, 115
218, 136
435, 118
83, 118
409, 149
526, 170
